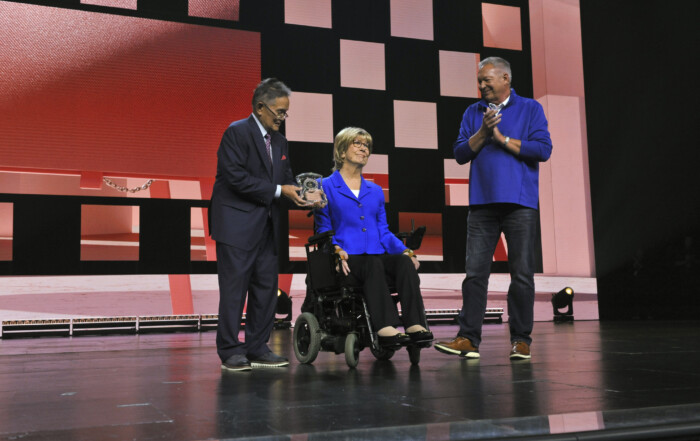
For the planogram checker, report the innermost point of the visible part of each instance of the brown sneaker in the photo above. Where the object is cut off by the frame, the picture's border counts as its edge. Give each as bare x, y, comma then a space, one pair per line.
520, 350
459, 346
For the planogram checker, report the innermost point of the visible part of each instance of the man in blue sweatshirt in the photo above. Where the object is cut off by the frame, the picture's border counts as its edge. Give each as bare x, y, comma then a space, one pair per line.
505, 137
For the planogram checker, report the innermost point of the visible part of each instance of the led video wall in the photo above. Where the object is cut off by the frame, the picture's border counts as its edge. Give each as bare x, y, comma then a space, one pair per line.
126, 91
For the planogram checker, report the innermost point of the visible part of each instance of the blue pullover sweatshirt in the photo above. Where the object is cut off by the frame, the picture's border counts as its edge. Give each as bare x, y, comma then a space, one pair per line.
496, 175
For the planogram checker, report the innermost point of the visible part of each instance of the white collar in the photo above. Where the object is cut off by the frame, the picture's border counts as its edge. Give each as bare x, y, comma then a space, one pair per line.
260, 126
505, 102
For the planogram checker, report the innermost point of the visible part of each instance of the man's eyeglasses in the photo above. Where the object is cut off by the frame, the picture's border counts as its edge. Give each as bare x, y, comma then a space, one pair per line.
281, 114
357, 143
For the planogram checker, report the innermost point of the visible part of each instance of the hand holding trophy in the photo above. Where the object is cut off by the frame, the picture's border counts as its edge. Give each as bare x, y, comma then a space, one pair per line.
311, 190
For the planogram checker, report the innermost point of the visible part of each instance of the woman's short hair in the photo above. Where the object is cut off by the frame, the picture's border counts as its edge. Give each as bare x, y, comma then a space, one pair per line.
342, 142
268, 90
498, 63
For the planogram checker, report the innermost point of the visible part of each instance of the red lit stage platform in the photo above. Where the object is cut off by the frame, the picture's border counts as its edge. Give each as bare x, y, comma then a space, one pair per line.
587, 380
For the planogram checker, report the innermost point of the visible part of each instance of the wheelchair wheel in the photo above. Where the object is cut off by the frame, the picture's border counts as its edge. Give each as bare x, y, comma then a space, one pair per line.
381, 353
307, 338
413, 354
352, 350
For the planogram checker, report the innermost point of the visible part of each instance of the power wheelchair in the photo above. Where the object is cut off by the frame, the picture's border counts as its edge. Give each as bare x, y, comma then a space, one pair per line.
334, 315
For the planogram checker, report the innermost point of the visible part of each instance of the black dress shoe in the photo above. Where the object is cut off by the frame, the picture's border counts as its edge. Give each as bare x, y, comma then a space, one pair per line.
236, 363
421, 336
269, 360
395, 340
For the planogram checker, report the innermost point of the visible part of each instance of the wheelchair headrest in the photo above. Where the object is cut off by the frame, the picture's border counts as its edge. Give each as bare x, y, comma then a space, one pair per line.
415, 238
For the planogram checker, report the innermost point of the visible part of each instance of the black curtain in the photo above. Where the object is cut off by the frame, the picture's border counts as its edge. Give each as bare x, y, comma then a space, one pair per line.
641, 97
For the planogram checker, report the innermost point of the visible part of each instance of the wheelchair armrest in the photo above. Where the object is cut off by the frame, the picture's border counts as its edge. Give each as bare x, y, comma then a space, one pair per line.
321, 237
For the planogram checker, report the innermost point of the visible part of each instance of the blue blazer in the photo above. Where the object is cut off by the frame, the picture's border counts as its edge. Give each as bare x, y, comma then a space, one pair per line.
244, 190
359, 222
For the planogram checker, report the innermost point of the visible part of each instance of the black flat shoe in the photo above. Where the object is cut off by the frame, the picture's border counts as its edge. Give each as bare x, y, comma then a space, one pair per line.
420, 336
269, 360
236, 363
395, 340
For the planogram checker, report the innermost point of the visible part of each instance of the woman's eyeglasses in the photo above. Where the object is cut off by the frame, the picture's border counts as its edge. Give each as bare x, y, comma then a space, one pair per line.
357, 143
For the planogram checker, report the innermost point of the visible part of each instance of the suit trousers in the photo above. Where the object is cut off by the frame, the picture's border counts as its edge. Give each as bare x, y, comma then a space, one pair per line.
253, 272
372, 271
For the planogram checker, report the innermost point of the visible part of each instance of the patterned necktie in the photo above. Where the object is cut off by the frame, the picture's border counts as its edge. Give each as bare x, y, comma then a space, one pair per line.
268, 147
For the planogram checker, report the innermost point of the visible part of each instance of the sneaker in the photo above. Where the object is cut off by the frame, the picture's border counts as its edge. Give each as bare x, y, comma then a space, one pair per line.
236, 363
269, 360
520, 350
459, 346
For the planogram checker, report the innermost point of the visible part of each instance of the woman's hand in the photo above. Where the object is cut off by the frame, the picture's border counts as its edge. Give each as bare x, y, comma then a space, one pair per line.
409, 252
317, 198
343, 260
344, 266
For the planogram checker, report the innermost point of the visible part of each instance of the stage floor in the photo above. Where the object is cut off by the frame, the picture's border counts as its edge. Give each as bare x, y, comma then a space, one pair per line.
621, 377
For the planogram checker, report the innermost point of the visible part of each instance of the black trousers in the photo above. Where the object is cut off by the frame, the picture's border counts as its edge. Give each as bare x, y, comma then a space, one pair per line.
253, 272
372, 272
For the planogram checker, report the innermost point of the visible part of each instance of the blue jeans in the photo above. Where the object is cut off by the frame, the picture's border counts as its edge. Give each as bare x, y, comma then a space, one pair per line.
484, 226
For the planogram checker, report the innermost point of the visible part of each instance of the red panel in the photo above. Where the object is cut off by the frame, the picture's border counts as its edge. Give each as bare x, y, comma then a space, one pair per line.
181, 294
378, 178
221, 9
160, 189
206, 185
500, 255
6, 230
126, 96
285, 282
432, 222
125, 4
91, 180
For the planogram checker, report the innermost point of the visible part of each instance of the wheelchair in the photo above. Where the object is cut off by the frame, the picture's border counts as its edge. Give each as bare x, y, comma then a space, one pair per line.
334, 315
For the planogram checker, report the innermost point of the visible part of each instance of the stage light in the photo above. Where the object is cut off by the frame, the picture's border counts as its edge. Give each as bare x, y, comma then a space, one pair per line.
563, 299
283, 311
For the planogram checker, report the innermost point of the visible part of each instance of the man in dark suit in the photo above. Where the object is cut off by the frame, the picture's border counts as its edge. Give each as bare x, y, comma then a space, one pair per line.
253, 172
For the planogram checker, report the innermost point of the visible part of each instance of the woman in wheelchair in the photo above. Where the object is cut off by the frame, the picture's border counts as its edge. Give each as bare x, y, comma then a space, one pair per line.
370, 254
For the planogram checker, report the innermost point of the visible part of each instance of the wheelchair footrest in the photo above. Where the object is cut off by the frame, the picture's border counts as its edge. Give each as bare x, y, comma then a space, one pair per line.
422, 344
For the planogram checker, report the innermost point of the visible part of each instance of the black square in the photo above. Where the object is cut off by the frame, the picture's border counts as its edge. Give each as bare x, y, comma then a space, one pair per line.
416, 180
412, 70
520, 66
168, 9
261, 16
458, 25
449, 116
46, 235
307, 59
371, 110
361, 20
454, 233
311, 157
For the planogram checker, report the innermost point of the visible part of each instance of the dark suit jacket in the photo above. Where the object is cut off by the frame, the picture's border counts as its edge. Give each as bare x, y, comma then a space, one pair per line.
245, 185
359, 222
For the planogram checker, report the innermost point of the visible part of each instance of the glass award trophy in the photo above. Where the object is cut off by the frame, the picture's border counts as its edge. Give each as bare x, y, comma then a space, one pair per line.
311, 190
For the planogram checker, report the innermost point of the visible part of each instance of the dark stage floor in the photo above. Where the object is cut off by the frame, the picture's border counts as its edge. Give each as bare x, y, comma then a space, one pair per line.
631, 380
